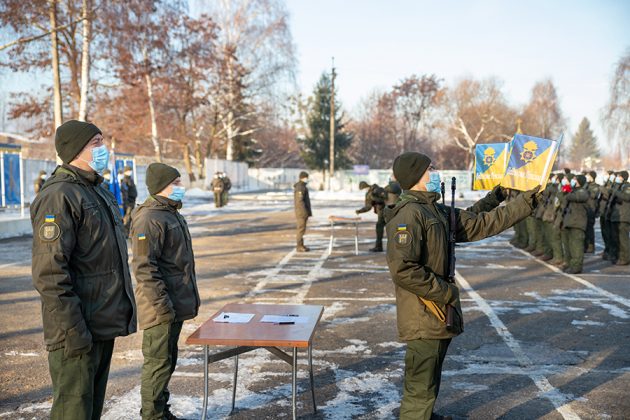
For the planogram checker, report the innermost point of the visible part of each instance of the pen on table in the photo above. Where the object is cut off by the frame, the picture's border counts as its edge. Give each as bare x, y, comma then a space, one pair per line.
286, 323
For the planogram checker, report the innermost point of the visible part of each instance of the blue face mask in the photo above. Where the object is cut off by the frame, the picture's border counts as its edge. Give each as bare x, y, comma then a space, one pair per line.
573, 183
434, 182
100, 158
178, 193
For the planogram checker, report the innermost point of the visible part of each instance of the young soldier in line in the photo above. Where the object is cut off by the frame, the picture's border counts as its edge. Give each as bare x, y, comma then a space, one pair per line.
543, 248
417, 255
564, 189
375, 198
552, 233
603, 213
620, 218
594, 190
80, 271
574, 221
164, 267
302, 204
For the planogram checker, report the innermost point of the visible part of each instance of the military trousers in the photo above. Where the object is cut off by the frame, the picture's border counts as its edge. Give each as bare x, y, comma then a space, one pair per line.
555, 241
218, 199
605, 228
300, 230
589, 242
423, 374
539, 227
624, 242
613, 246
127, 218
159, 348
532, 237
79, 383
573, 247
520, 234
380, 229
224, 198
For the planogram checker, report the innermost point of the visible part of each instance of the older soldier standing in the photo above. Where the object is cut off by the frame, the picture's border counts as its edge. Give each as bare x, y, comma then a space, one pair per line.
302, 204
80, 271
164, 266
417, 255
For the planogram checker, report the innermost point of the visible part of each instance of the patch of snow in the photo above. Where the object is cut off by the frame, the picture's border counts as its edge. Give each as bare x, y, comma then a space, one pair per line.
596, 323
16, 353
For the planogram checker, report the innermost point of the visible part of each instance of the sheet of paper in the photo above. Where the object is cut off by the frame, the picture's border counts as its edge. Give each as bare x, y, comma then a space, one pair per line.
233, 318
296, 319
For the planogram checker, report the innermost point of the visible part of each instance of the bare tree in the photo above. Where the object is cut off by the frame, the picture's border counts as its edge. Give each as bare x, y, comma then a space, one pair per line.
616, 114
542, 116
478, 113
85, 59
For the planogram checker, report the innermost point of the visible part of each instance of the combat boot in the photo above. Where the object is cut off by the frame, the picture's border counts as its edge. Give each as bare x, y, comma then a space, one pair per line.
590, 249
529, 248
572, 270
303, 248
538, 253
622, 263
435, 416
546, 257
376, 249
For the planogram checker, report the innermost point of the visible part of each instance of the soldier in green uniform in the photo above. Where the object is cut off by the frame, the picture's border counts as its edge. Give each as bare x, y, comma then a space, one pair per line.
543, 248
604, 207
164, 267
417, 232
521, 237
620, 218
218, 188
302, 204
393, 191
594, 190
574, 221
80, 271
550, 215
129, 196
375, 198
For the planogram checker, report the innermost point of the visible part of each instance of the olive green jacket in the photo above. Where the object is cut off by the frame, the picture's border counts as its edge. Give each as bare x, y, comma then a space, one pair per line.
620, 211
546, 201
301, 201
375, 198
417, 255
163, 263
594, 193
575, 213
552, 205
80, 262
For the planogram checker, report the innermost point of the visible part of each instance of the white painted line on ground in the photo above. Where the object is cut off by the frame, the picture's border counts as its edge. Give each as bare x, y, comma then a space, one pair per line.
3, 266
273, 272
559, 400
619, 299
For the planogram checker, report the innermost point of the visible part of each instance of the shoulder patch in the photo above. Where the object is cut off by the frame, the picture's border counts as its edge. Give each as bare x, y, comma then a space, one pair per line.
49, 231
403, 238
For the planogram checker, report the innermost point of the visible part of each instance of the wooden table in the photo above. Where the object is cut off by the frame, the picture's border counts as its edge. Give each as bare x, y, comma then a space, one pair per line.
256, 334
344, 220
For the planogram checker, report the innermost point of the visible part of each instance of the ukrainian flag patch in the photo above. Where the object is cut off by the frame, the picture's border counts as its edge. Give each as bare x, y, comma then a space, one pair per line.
402, 227
49, 218
142, 237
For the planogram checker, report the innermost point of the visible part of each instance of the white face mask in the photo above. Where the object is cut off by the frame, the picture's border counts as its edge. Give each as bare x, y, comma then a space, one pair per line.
565, 181
619, 180
611, 178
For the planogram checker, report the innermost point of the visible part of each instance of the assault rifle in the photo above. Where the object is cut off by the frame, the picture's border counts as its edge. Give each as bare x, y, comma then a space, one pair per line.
443, 189
452, 229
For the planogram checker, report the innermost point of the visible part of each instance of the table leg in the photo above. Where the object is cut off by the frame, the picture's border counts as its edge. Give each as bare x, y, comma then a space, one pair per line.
356, 239
294, 380
332, 233
234, 388
205, 383
310, 368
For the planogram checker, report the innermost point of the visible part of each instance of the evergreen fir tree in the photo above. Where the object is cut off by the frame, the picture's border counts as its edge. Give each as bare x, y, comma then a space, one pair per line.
315, 147
583, 144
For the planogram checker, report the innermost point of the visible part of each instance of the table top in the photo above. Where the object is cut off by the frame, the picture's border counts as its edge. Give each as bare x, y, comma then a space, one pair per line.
256, 333
333, 218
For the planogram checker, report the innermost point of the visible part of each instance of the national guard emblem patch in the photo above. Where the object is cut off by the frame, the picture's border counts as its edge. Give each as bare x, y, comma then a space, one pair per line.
49, 231
403, 238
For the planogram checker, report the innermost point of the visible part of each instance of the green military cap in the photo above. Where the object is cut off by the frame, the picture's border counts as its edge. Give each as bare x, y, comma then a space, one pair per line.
71, 137
159, 176
363, 185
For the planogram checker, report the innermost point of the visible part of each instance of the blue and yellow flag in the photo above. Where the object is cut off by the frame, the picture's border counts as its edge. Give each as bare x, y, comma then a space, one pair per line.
530, 162
490, 164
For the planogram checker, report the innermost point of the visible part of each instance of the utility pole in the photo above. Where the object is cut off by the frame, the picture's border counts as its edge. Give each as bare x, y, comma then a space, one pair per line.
331, 170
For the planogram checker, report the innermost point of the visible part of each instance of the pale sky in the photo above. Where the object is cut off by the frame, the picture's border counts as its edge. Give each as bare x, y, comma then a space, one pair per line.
377, 43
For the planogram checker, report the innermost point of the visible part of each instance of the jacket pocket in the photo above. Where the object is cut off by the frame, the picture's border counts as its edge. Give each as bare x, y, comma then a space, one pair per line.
182, 295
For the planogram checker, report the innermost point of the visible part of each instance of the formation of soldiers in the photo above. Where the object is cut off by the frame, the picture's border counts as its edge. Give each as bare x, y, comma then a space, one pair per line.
562, 229
377, 198
221, 186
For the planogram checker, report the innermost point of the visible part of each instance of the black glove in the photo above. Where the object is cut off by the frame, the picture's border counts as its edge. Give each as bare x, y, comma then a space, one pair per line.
357, 211
533, 196
500, 193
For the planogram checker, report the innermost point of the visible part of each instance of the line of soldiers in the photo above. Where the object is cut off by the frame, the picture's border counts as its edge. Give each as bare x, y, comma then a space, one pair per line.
562, 229
221, 186
377, 198
80, 269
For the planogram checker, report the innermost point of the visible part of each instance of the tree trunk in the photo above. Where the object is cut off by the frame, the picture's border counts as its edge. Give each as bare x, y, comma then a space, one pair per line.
154, 130
201, 162
57, 107
189, 169
229, 133
85, 61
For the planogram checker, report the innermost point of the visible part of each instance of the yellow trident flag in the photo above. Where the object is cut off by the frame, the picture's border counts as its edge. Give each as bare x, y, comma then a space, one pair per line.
490, 163
530, 161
